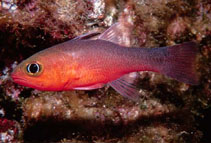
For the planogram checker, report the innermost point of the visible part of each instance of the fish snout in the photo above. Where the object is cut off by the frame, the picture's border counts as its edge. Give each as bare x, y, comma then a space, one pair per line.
16, 74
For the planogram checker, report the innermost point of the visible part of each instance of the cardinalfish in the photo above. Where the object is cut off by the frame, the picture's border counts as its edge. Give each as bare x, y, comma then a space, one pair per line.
84, 63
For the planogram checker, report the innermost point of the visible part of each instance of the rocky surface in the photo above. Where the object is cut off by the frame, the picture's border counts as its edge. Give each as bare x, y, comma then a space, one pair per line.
169, 111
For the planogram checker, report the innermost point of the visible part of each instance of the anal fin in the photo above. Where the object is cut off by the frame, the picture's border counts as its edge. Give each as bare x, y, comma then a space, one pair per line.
126, 87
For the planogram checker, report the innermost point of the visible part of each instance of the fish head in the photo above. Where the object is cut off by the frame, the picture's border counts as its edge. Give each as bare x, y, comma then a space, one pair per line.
42, 71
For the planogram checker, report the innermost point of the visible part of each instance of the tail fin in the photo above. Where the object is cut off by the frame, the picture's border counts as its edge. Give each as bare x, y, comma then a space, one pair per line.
179, 63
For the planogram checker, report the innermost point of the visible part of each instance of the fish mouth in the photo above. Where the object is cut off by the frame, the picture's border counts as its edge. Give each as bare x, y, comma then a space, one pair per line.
17, 79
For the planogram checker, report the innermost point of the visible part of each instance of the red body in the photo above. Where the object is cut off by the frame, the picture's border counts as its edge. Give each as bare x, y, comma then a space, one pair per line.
89, 64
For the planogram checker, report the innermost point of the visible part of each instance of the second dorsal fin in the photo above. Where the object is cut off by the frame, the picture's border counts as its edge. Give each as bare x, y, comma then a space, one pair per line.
120, 32
116, 35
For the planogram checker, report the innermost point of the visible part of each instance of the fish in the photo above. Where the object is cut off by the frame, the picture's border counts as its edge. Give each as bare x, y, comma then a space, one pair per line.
87, 63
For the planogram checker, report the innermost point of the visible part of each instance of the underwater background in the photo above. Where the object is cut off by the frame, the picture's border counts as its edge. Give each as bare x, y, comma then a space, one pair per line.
169, 111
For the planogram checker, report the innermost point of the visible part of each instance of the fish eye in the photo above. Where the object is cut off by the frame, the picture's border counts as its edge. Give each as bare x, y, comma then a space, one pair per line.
33, 68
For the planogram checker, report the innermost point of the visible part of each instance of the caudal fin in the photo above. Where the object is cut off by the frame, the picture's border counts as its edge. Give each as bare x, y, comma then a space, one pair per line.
180, 63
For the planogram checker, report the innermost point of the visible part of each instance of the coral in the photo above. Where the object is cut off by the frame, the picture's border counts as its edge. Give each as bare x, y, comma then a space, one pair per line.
9, 130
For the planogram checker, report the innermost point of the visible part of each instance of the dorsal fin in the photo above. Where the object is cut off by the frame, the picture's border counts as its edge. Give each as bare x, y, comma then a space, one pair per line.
86, 36
120, 32
116, 35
